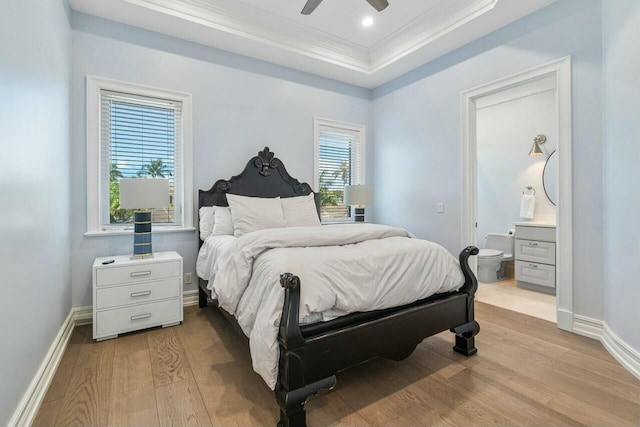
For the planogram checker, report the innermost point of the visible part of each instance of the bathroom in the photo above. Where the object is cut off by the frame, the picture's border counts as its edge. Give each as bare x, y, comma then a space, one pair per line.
516, 197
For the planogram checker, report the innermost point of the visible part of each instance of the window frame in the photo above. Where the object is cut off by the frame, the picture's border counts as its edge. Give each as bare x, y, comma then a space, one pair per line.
318, 122
95, 190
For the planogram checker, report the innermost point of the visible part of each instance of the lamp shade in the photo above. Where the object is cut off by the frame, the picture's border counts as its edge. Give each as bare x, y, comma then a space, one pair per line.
535, 150
360, 195
144, 193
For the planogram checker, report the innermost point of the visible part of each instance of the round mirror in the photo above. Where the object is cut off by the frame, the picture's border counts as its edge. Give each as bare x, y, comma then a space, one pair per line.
550, 178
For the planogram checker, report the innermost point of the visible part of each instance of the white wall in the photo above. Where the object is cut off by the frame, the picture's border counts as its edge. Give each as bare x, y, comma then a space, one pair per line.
236, 113
417, 135
505, 134
621, 33
35, 49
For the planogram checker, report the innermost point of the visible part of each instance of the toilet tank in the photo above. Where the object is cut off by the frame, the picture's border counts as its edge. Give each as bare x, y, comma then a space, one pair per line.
501, 241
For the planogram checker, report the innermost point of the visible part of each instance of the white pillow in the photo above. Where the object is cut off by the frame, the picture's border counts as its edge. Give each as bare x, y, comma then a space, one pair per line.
222, 225
300, 211
255, 213
206, 222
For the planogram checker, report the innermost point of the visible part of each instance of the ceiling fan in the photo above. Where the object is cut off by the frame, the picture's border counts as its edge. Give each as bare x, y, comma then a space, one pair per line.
311, 5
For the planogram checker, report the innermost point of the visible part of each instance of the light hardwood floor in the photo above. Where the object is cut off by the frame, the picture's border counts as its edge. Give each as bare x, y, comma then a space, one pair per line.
526, 372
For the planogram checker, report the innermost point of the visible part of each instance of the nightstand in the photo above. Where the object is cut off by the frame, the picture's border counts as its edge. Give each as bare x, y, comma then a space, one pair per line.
132, 294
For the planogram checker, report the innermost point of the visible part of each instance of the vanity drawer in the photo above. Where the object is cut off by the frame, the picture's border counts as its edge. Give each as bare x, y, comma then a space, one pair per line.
139, 292
545, 234
120, 320
543, 252
137, 273
539, 274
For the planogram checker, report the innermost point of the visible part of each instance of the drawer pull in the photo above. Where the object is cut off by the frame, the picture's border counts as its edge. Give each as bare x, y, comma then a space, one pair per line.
140, 273
140, 294
533, 244
141, 316
533, 266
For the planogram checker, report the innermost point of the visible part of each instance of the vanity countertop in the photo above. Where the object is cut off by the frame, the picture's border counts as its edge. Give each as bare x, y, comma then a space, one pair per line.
535, 224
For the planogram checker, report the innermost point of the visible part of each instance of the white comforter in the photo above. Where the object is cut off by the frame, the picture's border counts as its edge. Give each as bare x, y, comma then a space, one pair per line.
342, 269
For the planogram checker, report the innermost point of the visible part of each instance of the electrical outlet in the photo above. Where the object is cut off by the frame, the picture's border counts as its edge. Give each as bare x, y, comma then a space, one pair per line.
440, 207
187, 278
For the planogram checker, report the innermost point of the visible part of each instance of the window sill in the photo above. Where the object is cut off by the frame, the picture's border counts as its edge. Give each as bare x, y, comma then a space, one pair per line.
155, 230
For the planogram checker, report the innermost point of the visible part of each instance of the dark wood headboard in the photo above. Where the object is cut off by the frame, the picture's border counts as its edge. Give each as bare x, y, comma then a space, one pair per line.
263, 176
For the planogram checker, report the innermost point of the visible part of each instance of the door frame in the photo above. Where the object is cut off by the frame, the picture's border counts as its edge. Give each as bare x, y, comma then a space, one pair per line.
561, 70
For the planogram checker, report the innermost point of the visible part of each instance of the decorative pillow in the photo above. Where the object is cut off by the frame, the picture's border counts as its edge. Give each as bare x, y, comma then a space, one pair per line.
222, 225
255, 213
300, 211
206, 222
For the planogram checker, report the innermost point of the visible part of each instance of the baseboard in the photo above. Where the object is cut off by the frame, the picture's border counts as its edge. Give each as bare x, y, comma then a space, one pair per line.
627, 356
588, 327
32, 398
565, 320
190, 298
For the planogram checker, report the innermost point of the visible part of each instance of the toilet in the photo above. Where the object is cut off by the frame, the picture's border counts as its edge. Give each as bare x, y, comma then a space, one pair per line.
491, 260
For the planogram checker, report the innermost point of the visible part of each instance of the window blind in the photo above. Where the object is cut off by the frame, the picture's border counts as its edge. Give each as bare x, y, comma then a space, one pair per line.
140, 137
339, 164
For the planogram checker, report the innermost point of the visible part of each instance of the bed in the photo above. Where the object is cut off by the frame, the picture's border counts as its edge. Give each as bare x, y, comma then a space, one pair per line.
310, 354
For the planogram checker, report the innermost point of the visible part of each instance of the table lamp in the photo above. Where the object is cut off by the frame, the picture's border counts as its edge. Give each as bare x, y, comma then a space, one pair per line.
143, 194
360, 196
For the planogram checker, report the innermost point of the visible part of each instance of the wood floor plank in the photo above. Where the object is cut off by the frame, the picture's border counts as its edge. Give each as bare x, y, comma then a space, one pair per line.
510, 378
167, 357
589, 414
232, 393
60, 381
133, 400
330, 410
526, 372
86, 401
47, 414
180, 404
132, 342
580, 387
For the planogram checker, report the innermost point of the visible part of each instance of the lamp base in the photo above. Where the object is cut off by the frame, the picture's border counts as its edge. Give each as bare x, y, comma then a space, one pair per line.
142, 234
359, 214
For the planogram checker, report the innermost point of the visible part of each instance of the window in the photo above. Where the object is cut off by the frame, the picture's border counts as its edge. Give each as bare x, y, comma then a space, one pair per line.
338, 161
135, 131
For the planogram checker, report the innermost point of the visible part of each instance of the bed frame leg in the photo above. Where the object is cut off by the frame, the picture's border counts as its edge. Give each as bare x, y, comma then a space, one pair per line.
202, 298
292, 402
465, 338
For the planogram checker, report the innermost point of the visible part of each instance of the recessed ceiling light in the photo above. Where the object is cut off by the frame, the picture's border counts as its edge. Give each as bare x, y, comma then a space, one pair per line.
367, 22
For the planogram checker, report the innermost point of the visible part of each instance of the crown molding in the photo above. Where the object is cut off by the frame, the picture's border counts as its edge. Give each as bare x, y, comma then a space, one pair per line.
248, 30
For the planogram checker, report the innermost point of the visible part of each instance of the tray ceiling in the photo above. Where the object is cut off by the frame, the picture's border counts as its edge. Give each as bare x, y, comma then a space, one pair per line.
331, 42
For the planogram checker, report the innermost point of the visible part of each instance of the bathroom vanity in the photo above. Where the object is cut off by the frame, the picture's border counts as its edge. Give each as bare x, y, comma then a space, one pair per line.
535, 256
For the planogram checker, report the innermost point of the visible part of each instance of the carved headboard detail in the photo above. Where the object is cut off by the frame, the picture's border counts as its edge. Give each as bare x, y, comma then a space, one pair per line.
263, 176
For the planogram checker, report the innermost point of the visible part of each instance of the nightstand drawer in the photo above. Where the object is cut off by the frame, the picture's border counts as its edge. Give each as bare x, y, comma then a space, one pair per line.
120, 320
139, 292
543, 252
137, 273
538, 274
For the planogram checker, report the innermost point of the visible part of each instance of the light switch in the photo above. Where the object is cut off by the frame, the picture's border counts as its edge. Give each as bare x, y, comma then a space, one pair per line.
440, 207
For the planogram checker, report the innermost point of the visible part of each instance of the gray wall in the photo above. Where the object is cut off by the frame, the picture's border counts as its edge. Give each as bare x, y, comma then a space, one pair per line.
621, 32
416, 152
239, 106
35, 49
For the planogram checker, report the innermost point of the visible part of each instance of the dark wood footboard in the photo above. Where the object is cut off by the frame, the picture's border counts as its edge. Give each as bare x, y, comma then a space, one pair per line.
308, 362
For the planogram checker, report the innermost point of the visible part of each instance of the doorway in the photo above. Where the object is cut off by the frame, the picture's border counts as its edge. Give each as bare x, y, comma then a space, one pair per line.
554, 76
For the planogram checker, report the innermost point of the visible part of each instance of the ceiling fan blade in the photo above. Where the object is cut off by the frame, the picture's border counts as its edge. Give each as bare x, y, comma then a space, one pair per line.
310, 6
379, 5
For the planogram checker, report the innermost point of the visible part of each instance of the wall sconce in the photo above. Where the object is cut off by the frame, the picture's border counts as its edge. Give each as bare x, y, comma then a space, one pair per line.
537, 141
